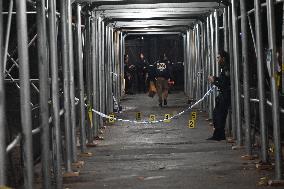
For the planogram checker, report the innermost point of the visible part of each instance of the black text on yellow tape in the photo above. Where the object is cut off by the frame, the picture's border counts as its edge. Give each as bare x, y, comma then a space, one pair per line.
138, 116
167, 118
111, 118
191, 124
152, 118
193, 115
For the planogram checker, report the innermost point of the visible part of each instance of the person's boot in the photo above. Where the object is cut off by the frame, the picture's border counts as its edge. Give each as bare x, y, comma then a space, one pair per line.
165, 102
160, 103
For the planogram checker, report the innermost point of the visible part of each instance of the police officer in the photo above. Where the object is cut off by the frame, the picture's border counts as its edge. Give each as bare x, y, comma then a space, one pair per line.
141, 70
223, 99
162, 77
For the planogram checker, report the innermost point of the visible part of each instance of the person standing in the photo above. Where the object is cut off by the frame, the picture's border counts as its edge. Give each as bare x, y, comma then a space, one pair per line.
141, 70
223, 99
129, 71
162, 77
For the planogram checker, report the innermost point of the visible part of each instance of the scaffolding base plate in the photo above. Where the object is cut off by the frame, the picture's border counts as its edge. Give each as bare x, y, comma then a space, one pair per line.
230, 140
86, 154
249, 157
276, 182
71, 174
78, 164
264, 166
237, 147
92, 144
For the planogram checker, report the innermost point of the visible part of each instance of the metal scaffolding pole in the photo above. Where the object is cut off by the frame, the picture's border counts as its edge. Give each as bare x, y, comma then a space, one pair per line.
26, 121
95, 71
7, 34
244, 30
216, 41
197, 62
66, 83
282, 70
185, 63
81, 81
260, 76
209, 67
274, 90
44, 91
236, 74
213, 57
101, 68
88, 67
55, 91
71, 80
2, 109
226, 32
226, 48
232, 109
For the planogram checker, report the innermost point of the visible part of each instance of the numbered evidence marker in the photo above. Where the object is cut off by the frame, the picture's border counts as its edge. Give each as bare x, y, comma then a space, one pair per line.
152, 118
111, 118
193, 115
191, 124
138, 116
167, 118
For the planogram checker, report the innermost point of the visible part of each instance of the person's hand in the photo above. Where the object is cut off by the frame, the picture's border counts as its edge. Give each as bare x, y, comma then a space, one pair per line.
211, 79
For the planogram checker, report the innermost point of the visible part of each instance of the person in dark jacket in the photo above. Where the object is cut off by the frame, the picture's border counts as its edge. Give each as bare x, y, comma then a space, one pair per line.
162, 76
223, 98
141, 70
129, 71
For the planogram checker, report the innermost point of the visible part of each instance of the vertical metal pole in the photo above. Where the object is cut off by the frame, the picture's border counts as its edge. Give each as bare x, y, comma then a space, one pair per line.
203, 66
2, 109
216, 41
226, 48
244, 29
101, 65
225, 26
71, 80
66, 83
197, 62
8, 34
233, 112
81, 80
208, 22
95, 71
236, 74
260, 75
43, 81
213, 58
282, 66
185, 62
25, 92
274, 90
55, 90
88, 76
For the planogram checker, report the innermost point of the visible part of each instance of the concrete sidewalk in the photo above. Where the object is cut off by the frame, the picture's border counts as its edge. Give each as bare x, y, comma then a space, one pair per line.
164, 155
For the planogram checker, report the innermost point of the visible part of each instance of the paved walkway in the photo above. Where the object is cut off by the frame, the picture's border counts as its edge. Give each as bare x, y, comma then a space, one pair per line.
164, 155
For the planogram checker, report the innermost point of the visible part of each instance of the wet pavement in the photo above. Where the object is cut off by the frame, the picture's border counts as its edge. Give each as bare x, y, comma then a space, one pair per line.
164, 155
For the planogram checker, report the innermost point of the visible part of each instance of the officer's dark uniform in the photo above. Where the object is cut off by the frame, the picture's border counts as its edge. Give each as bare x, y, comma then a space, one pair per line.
222, 103
162, 76
141, 69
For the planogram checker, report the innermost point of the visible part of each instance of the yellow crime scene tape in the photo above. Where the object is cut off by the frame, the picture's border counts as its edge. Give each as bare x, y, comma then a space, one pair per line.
152, 118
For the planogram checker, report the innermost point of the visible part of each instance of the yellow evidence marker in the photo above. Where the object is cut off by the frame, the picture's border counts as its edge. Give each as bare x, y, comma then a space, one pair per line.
193, 115
138, 116
191, 124
167, 118
111, 118
152, 118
